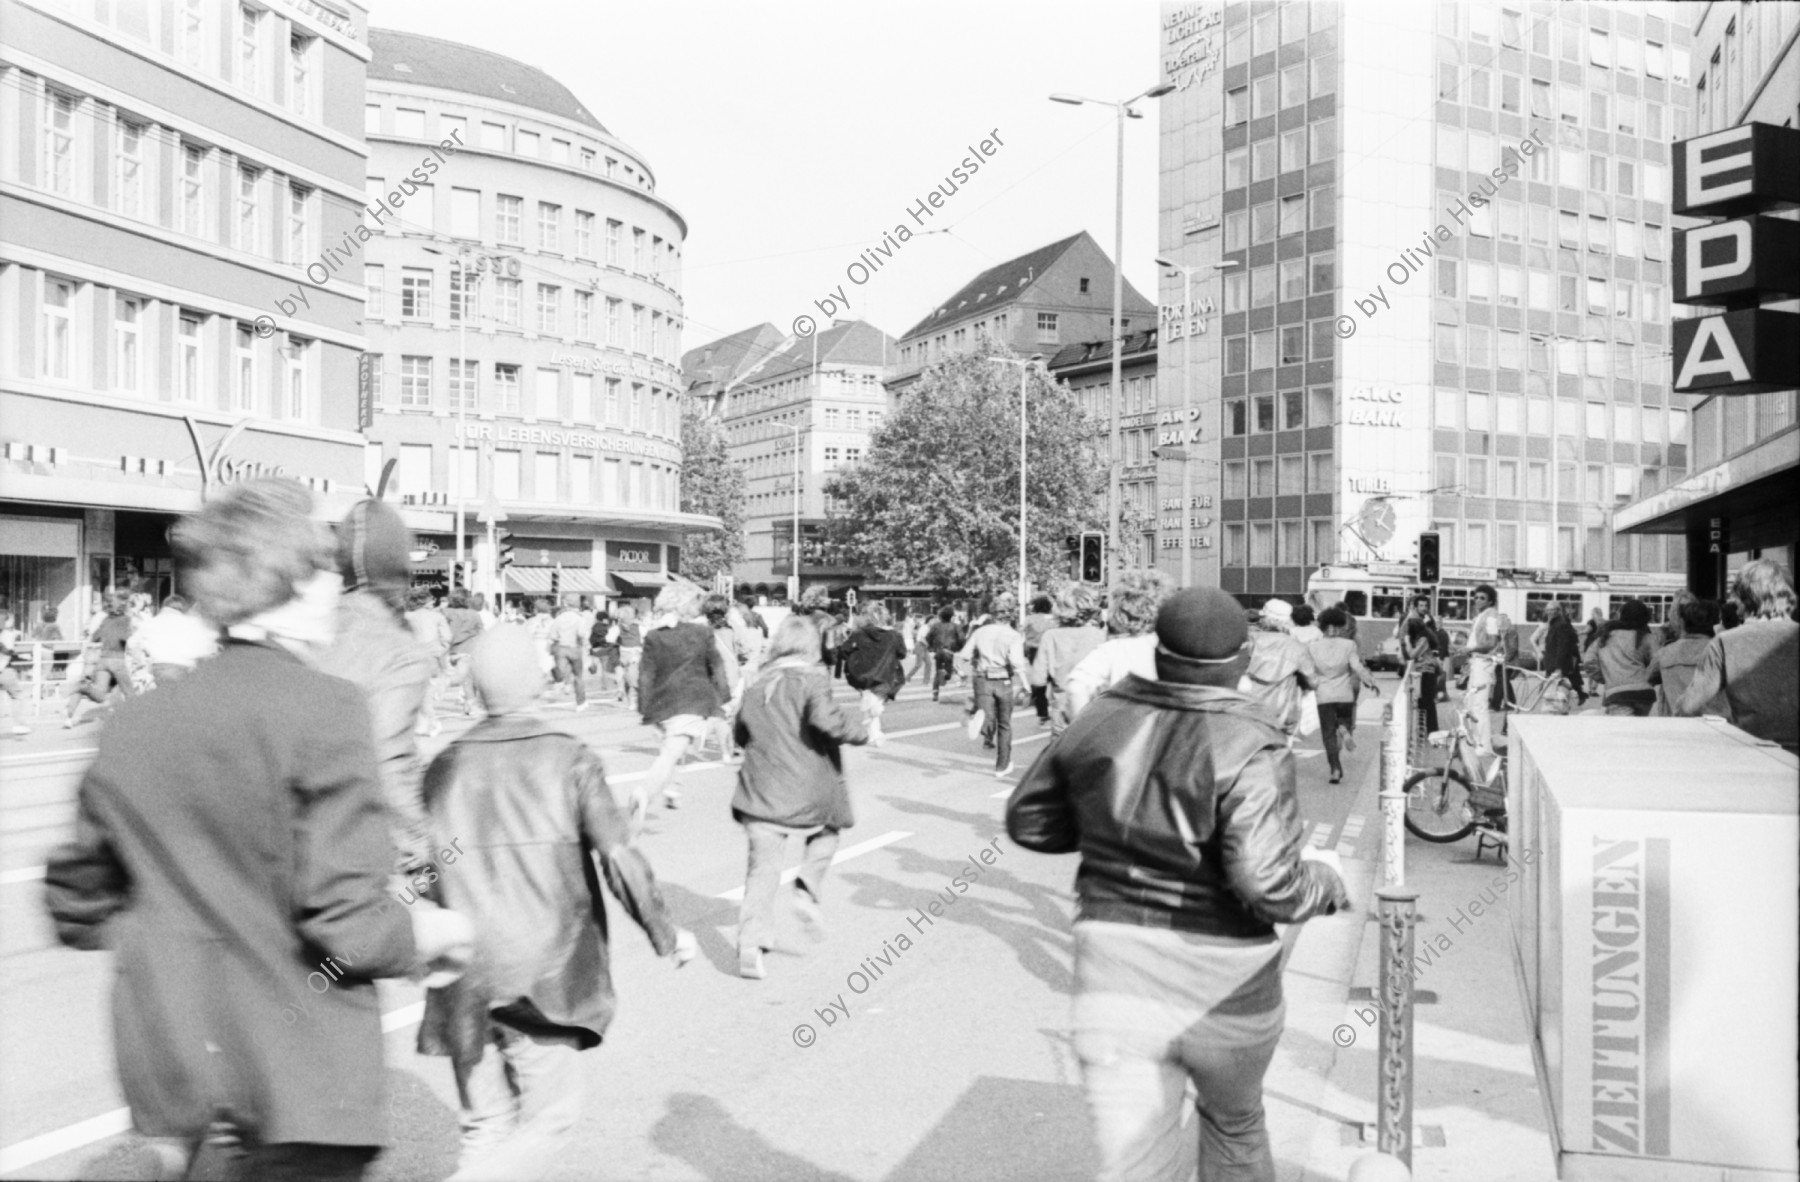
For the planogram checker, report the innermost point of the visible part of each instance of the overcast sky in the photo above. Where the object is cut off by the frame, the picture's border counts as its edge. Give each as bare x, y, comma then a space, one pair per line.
792, 136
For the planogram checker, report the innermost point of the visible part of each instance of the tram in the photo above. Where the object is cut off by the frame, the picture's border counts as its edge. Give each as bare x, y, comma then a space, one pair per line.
1377, 593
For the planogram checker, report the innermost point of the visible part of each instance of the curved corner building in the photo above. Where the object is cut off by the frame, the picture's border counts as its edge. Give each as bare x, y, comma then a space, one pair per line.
523, 319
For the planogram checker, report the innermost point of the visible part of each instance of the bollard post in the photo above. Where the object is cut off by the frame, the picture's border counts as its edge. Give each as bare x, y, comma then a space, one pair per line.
1394, 768
1394, 1059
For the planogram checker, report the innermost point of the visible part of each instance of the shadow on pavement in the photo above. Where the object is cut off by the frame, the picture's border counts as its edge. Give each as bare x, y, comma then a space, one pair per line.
697, 1130
1045, 1135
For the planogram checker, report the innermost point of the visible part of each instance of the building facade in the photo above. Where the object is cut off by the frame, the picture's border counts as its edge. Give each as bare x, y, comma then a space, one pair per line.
171, 178
1449, 301
1737, 504
1144, 430
792, 418
524, 314
1056, 295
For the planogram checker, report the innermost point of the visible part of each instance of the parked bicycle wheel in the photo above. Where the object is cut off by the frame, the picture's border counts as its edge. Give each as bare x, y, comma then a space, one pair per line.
1437, 806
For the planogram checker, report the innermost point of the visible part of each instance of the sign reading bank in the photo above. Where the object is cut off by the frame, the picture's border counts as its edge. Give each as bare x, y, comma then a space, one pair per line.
1737, 174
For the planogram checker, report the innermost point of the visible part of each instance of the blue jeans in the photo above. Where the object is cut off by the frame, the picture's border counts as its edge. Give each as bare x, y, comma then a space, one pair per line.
993, 697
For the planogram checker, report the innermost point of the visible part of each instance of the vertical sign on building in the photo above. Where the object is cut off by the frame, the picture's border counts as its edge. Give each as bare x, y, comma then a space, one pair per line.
1192, 47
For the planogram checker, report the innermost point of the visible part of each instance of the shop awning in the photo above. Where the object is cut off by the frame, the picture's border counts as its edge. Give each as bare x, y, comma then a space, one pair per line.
642, 582
537, 580
529, 580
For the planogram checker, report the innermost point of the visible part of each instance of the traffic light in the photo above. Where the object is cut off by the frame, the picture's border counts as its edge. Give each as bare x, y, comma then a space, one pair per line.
503, 549
1093, 558
459, 575
1428, 557
1072, 546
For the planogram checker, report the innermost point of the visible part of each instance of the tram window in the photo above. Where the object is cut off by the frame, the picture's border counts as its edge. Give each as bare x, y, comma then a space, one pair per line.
1453, 605
1390, 602
1537, 605
1357, 603
1660, 606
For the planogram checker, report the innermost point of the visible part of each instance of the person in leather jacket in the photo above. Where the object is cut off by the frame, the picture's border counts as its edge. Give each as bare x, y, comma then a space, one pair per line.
1179, 794
533, 808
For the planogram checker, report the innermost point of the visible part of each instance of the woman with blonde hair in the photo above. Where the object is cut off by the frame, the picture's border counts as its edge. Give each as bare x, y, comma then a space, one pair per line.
791, 783
681, 684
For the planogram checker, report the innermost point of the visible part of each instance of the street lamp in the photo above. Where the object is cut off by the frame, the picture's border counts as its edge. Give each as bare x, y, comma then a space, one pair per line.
468, 278
794, 557
1024, 372
1123, 110
1187, 410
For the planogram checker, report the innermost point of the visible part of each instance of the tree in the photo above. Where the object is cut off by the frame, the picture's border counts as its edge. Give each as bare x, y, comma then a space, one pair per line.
710, 484
936, 500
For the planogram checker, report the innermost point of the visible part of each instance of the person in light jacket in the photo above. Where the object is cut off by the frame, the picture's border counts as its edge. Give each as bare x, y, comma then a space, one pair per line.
791, 783
231, 852
1179, 796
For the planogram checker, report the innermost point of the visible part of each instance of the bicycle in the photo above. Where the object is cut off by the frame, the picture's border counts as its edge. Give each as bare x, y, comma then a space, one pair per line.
1468, 793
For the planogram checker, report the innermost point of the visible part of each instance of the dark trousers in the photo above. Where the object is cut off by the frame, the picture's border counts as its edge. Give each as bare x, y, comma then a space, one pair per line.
946, 665
570, 665
994, 698
1428, 688
1331, 716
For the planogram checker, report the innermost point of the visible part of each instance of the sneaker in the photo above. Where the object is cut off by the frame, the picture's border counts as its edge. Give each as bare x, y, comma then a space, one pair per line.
1005, 771
750, 964
68, 723
672, 799
1336, 777
580, 706
812, 918
1349, 741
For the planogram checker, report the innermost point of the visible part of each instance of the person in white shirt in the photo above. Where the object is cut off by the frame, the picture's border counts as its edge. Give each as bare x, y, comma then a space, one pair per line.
1130, 646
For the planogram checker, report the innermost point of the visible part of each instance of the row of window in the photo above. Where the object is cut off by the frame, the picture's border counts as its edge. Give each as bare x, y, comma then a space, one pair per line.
642, 409
558, 477
1507, 285
1269, 94
1567, 102
1475, 346
173, 353
650, 255
1289, 279
973, 336
1510, 414
240, 43
1275, 27
1280, 543
844, 383
645, 331
498, 136
1565, 163
1605, 50
1140, 398
217, 197
1604, 486
1483, 543
1283, 476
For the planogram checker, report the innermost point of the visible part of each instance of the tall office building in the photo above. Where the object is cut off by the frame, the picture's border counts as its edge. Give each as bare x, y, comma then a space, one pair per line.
172, 176
1446, 305
524, 317
1746, 447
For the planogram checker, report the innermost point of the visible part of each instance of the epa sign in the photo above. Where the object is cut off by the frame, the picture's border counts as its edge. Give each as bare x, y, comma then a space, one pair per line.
1737, 173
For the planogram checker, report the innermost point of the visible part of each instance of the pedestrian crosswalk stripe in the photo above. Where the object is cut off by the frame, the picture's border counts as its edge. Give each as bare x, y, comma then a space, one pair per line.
736, 894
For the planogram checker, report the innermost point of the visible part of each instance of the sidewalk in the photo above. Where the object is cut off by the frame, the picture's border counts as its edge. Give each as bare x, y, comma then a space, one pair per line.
1477, 1109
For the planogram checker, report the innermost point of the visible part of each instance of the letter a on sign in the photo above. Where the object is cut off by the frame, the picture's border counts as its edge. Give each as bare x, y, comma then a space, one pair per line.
1729, 362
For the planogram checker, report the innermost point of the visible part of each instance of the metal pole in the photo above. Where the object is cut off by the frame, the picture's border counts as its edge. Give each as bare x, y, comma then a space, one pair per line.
1114, 454
462, 420
1187, 411
794, 558
1024, 372
1394, 1061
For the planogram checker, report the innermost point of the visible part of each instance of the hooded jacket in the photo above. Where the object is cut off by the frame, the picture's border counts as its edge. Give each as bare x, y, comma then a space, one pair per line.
874, 659
1181, 801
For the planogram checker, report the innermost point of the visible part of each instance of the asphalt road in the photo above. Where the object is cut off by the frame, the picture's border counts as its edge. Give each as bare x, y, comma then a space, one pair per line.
950, 1060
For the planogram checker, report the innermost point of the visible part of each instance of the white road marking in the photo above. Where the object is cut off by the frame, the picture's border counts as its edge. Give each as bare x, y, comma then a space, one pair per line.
736, 894
28, 1153
1321, 835
28, 874
1347, 840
